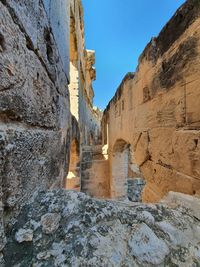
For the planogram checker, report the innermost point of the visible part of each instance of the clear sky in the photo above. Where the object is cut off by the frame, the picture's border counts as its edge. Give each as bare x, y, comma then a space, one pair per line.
118, 30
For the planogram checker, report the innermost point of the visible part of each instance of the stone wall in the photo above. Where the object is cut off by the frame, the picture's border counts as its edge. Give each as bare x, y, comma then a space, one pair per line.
95, 171
58, 13
156, 110
86, 117
35, 119
82, 74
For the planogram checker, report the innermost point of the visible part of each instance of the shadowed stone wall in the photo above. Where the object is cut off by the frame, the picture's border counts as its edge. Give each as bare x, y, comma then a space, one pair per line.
82, 74
35, 119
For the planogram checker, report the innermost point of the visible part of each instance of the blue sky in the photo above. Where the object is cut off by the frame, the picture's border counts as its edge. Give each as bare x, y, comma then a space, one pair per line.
118, 30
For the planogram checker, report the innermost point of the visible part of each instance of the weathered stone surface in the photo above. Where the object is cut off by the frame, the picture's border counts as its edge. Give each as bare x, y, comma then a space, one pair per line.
192, 203
156, 111
50, 222
103, 233
2, 233
34, 108
82, 74
141, 150
58, 13
134, 189
28, 163
28, 93
94, 172
24, 235
146, 246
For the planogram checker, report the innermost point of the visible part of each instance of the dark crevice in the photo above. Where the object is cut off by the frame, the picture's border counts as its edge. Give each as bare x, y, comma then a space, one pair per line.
148, 158
164, 165
3, 2
2, 43
10, 117
196, 141
29, 44
47, 37
135, 146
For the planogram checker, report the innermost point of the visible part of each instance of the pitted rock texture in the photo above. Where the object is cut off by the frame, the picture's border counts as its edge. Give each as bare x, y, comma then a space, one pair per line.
35, 114
155, 111
88, 232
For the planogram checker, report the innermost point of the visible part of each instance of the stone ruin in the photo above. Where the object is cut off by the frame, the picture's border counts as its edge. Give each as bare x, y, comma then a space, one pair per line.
82, 187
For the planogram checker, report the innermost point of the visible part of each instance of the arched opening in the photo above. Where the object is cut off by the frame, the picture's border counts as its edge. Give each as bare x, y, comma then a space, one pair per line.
126, 181
120, 164
73, 177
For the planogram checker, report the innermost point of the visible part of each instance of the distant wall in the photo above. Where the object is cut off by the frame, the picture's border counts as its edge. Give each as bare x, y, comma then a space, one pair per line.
90, 123
157, 109
82, 74
35, 119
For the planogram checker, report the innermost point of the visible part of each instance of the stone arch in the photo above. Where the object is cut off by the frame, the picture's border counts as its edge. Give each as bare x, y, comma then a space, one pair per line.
126, 179
73, 177
119, 169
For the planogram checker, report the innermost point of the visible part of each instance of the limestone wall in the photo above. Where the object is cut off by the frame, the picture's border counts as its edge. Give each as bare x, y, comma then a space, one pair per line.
95, 171
156, 111
86, 118
35, 118
82, 74
58, 13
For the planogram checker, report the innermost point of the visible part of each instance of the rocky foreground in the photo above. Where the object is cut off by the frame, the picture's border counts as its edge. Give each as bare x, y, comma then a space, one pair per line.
65, 228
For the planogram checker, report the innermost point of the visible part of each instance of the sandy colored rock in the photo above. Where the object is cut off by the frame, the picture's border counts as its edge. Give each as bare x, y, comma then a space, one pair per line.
155, 112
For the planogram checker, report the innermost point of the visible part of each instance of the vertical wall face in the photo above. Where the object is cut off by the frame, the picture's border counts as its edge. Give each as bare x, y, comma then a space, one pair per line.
74, 91
34, 105
157, 111
58, 13
95, 171
82, 74
120, 164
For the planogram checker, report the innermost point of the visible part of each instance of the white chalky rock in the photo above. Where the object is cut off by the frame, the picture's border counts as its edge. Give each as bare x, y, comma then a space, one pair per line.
147, 247
24, 235
146, 217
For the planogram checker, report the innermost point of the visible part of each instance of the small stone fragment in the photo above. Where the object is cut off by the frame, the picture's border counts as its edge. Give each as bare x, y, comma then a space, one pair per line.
50, 222
24, 235
43, 255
